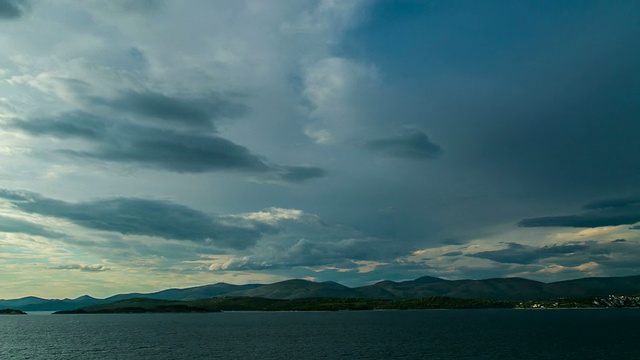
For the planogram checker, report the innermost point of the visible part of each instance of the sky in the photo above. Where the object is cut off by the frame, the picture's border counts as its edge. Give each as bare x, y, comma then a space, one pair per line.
152, 144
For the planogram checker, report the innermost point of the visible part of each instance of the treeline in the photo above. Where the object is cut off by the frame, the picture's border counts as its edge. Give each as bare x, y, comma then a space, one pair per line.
143, 305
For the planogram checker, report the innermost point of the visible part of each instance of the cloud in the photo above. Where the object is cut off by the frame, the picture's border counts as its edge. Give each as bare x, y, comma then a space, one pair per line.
273, 215
174, 151
133, 102
139, 6
412, 144
304, 240
134, 216
69, 125
336, 253
16, 195
13, 9
613, 257
621, 203
11, 225
333, 91
522, 254
125, 122
452, 253
623, 211
553, 269
292, 174
82, 267
163, 149
198, 111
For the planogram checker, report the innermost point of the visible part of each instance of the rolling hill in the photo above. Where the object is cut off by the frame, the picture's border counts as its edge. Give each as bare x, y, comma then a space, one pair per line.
497, 289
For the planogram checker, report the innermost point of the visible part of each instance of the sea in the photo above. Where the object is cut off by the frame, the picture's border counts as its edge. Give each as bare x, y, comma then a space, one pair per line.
423, 334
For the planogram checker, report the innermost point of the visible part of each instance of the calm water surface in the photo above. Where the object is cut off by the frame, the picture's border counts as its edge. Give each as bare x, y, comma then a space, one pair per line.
437, 334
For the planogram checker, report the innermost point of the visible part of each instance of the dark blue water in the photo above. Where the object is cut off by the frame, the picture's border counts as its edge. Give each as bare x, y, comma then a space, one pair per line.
439, 334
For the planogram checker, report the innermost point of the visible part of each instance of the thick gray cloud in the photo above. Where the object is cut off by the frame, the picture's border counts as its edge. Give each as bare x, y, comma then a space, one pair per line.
163, 149
624, 211
617, 257
13, 9
622, 203
522, 254
133, 216
198, 111
11, 225
69, 125
174, 151
412, 144
299, 174
16, 195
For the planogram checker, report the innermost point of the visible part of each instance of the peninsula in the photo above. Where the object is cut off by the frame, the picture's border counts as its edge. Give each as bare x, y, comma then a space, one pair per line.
11, 312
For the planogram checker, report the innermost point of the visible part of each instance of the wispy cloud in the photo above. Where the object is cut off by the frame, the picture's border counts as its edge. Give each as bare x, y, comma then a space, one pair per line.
82, 267
11, 225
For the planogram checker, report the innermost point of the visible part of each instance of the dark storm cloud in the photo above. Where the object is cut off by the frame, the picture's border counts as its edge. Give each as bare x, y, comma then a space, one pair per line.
86, 268
13, 9
196, 111
134, 216
10, 225
164, 149
570, 131
624, 211
522, 254
545, 116
412, 144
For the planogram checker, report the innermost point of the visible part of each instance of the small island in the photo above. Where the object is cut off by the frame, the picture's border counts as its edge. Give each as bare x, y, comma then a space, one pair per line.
12, 312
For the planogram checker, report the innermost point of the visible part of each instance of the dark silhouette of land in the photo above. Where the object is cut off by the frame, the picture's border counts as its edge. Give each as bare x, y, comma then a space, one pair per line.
11, 312
488, 291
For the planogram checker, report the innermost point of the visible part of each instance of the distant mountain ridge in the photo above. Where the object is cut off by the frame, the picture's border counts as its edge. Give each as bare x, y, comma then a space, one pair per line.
502, 289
